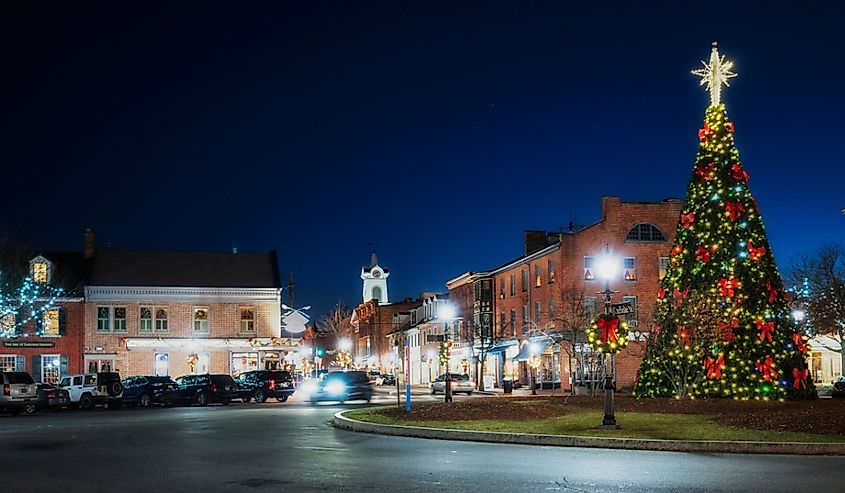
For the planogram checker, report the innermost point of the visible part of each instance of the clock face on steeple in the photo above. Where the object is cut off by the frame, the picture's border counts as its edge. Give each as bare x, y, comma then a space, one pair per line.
376, 273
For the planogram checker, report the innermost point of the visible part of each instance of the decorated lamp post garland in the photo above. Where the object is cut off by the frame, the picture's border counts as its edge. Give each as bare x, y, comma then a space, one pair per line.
608, 334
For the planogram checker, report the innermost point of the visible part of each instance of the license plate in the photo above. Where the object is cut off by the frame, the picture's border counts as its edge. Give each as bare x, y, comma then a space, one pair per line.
24, 390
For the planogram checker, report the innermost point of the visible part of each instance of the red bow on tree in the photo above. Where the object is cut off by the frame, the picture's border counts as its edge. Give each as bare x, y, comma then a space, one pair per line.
738, 173
705, 173
714, 367
677, 250
731, 127
683, 335
687, 220
773, 292
704, 133
754, 253
767, 368
679, 296
661, 294
727, 287
798, 340
608, 329
799, 378
734, 210
727, 329
702, 254
766, 329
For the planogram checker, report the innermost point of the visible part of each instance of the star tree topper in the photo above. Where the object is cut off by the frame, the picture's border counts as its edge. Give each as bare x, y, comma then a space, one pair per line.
714, 74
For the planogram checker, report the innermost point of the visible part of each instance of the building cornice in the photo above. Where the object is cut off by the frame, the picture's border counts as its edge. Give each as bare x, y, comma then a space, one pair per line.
181, 294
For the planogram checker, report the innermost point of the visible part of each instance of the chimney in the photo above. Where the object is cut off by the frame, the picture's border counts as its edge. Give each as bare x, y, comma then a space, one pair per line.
608, 203
90, 243
535, 241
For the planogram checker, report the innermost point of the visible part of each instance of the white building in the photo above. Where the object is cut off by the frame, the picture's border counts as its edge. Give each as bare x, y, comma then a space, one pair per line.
375, 282
824, 359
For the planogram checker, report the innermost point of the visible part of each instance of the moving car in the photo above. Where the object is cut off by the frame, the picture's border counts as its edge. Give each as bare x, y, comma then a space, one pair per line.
146, 390
202, 390
90, 389
460, 383
388, 379
839, 387
51, 397
261, 384
19, 392
343, 386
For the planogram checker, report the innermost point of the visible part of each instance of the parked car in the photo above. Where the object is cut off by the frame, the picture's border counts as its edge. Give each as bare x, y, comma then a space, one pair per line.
19, 392
839, 387
344, 386
90, 389
261, 384
202, 390
460, 383
388, 379
374, 375
51, 397
146, 390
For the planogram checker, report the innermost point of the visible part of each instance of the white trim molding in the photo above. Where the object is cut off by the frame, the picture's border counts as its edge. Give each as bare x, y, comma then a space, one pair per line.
162, 344
182, 295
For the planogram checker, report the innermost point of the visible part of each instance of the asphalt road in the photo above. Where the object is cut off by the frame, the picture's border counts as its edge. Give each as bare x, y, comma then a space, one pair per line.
291, 448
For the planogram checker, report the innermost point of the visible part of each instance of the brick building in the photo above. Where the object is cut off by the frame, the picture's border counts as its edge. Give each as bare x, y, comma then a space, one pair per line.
373, 322
49, 346
532, 294
173, 313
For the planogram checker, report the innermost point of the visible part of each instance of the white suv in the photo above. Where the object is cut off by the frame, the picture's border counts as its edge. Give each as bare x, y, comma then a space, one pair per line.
19, 392
91, 389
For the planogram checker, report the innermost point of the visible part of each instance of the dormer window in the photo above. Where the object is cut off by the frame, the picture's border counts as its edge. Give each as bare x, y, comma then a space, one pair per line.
39, 270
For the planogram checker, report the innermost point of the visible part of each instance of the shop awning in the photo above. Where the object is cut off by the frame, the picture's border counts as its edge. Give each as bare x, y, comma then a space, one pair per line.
537, 347
502, 346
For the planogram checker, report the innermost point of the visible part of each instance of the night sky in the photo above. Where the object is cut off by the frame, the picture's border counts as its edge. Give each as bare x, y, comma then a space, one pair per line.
437, 132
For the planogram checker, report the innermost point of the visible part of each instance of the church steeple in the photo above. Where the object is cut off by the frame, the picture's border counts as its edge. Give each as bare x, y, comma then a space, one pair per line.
375, 281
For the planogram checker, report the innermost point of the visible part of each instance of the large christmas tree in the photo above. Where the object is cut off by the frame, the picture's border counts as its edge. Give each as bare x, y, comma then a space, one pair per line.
723, 327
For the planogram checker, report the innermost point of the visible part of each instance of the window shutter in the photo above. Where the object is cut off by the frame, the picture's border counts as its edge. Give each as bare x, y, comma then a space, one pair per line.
39, 323
63, 366
20, 363
36, 367
62, 321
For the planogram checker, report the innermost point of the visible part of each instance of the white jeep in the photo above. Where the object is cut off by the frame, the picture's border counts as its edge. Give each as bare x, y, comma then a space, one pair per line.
90, 389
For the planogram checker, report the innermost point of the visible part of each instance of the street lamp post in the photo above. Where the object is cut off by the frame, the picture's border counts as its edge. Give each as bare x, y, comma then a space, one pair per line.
447, 313
607, 269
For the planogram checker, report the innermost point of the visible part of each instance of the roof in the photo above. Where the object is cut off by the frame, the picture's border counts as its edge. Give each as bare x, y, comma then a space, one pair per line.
70, 269
185, 269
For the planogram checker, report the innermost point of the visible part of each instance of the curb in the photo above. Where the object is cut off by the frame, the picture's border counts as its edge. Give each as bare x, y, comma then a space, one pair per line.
785, 448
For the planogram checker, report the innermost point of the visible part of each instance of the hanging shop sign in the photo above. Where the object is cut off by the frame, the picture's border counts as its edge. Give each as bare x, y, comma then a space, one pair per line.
28, 344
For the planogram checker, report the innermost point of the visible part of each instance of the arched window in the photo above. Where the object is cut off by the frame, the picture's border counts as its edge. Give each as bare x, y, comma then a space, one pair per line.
376, 293
645, 232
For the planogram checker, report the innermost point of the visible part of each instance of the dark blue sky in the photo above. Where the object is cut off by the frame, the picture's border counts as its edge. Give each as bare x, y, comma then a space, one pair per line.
437, 131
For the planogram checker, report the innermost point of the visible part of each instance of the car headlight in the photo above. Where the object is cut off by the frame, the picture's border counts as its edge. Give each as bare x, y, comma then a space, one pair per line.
335, 387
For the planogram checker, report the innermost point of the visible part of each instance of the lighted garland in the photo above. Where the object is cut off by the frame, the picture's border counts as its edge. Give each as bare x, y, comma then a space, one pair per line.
608, 334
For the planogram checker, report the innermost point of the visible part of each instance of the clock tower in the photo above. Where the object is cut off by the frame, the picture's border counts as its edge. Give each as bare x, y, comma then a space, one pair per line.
375, 281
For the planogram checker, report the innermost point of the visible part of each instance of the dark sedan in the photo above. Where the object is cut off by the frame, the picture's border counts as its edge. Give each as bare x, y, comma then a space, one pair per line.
51, 397
261, 384
146, 391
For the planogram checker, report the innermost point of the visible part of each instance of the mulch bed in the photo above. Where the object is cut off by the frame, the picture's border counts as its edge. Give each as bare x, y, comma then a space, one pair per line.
823, 416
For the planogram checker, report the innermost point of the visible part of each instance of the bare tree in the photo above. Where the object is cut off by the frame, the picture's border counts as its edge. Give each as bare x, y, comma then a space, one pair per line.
338, 321
481, 338
819, 280
571, 320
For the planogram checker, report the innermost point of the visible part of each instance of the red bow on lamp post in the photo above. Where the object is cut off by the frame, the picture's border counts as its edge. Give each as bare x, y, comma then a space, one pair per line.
608, 329
798, 340
799, 378
766, 329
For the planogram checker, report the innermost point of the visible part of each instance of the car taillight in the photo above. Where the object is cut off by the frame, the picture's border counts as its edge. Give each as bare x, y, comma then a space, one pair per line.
50, 394
214, 387
7, 389
272, 384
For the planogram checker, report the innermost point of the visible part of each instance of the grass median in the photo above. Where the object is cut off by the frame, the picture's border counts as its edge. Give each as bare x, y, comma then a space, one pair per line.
655, 419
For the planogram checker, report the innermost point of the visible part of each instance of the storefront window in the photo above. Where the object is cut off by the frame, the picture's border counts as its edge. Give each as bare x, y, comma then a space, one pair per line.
94, 365
51, 368
242, 362
161, 364
8, 362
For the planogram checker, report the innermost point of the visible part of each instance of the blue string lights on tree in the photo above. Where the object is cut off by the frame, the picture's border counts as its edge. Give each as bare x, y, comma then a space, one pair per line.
25, 303
722, 322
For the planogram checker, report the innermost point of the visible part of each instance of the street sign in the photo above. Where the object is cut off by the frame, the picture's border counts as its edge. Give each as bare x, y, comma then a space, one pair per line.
435, 338
622, 308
